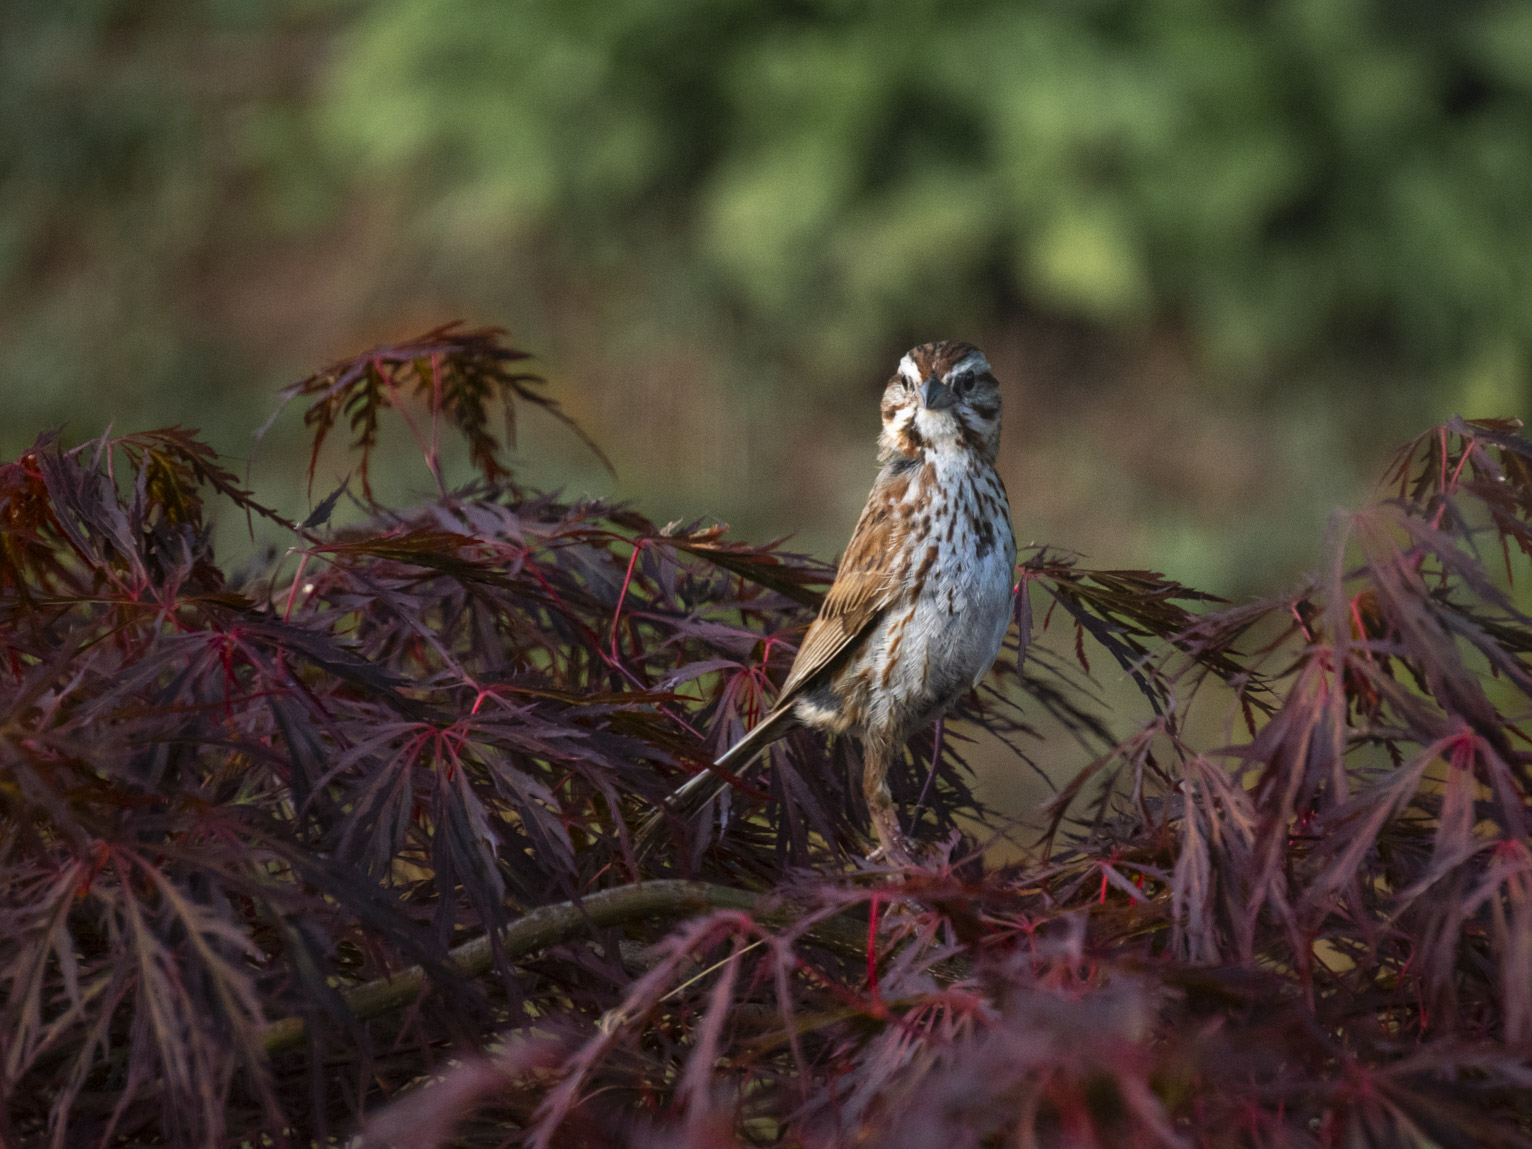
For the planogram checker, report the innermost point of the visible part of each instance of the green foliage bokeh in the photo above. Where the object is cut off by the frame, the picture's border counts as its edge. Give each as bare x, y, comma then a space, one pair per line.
1284, 179
720, 222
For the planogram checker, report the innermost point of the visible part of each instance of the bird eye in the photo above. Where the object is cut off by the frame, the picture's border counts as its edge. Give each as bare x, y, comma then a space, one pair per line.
963, 383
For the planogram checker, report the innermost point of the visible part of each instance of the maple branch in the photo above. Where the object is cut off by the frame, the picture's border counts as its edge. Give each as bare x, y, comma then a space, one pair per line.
537, 930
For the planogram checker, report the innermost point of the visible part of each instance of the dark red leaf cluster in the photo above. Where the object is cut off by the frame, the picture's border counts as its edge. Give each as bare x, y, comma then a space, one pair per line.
456, 375
348, 844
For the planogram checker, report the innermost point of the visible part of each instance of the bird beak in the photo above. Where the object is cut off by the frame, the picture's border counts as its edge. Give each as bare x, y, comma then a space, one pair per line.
936, 395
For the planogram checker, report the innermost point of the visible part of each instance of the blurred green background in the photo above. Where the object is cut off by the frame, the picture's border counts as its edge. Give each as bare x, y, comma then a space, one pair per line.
1224, 255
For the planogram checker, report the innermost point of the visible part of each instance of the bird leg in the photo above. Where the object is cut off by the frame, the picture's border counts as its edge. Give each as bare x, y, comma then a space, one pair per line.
877, 757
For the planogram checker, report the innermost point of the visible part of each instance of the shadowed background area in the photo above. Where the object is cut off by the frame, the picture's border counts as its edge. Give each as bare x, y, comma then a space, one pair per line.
1224, 256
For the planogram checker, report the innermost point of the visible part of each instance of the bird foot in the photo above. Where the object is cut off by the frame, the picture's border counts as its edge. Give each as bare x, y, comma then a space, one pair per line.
895, 848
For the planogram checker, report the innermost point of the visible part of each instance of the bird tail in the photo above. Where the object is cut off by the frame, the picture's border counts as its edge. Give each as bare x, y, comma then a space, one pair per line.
701, 788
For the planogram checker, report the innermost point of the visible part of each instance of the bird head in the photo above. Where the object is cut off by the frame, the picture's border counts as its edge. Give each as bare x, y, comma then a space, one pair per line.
942, 397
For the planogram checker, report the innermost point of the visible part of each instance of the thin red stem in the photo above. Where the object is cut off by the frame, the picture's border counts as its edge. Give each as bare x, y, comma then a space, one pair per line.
623, 597
872, 949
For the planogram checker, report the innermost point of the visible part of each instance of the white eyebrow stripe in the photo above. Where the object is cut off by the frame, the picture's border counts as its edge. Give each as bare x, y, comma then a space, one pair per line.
974, 361
908, 369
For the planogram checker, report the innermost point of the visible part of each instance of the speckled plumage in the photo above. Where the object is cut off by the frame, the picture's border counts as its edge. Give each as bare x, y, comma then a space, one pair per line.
922, 597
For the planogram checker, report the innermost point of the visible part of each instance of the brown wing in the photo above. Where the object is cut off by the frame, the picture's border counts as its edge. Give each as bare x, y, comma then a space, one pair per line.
864, 588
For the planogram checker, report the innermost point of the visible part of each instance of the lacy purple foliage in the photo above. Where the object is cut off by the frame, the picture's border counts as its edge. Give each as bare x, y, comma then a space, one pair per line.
350, 843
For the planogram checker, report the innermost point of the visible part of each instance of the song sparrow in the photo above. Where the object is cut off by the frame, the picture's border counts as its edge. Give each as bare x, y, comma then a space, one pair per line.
922, 598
